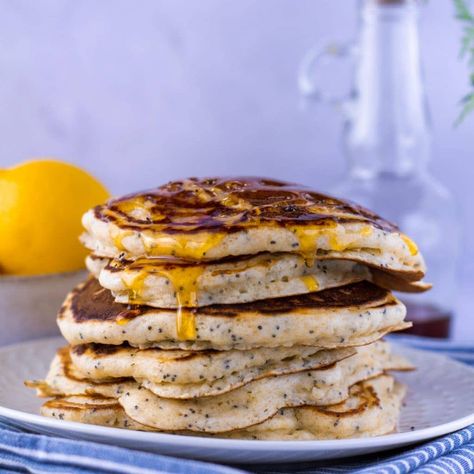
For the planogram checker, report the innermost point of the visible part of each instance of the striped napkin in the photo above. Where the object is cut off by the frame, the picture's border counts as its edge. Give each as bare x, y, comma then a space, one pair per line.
27, 452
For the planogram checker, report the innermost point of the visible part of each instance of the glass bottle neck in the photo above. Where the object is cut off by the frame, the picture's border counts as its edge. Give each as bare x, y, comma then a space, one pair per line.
387, 131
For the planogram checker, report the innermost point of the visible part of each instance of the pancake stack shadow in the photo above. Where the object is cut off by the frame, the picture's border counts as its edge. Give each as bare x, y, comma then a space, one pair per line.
240, 308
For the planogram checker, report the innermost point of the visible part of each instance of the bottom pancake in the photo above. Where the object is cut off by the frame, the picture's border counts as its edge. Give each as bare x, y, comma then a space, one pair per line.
372, 409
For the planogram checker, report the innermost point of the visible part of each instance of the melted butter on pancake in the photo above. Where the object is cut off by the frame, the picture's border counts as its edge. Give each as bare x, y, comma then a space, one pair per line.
308, 239
118, 241
366, 231
122, 321
412, 247
308, 236
193, 246
310, 282
135, 286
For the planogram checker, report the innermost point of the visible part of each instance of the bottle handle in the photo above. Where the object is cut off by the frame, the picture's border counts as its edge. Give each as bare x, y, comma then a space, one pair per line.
315, 61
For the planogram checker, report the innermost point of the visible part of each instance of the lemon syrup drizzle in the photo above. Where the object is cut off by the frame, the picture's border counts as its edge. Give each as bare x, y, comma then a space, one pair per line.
185, 284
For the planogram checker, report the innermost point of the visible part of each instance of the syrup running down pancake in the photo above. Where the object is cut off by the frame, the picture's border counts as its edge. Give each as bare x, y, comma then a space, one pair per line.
209, 219
350, 315
161, 282
205, 220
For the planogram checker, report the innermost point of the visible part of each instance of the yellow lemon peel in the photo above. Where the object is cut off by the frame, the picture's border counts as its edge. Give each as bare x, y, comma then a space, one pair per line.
41, 204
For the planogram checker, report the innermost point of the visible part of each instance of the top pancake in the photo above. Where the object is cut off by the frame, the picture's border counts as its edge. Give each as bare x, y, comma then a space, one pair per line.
214, 218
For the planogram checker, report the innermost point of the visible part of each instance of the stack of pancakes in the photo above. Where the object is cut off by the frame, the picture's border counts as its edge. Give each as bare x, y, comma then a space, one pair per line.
244, 308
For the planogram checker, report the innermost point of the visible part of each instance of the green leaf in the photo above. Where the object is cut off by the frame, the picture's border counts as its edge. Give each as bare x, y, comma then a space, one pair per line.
465, 46
463, 13
468, 107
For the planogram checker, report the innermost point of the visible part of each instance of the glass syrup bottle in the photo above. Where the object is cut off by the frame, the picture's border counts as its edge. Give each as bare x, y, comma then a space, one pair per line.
387, 141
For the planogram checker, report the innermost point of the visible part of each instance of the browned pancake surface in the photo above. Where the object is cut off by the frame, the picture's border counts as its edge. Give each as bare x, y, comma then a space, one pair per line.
231, 204
92, 302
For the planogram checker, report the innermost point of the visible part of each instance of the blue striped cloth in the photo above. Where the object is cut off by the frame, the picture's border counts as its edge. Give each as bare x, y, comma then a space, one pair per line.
27, 452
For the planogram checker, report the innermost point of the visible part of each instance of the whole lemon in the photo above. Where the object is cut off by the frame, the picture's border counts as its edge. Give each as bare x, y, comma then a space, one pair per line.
41, 204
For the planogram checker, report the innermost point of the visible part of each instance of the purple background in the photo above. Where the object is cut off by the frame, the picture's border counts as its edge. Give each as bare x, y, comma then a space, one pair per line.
142, 92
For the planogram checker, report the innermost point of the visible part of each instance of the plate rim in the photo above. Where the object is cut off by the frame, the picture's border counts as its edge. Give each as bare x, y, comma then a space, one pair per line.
399, 439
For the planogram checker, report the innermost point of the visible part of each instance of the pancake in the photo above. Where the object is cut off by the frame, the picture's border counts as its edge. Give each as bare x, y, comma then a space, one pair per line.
247, 405
92, 410
157, 282
339, 317
261, 399
100, 362
65, 378
372, 409
213, 218
244, 308
154, 282
327, 359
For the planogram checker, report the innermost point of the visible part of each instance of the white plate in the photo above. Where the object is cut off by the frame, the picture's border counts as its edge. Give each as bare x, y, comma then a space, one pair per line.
440, 400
